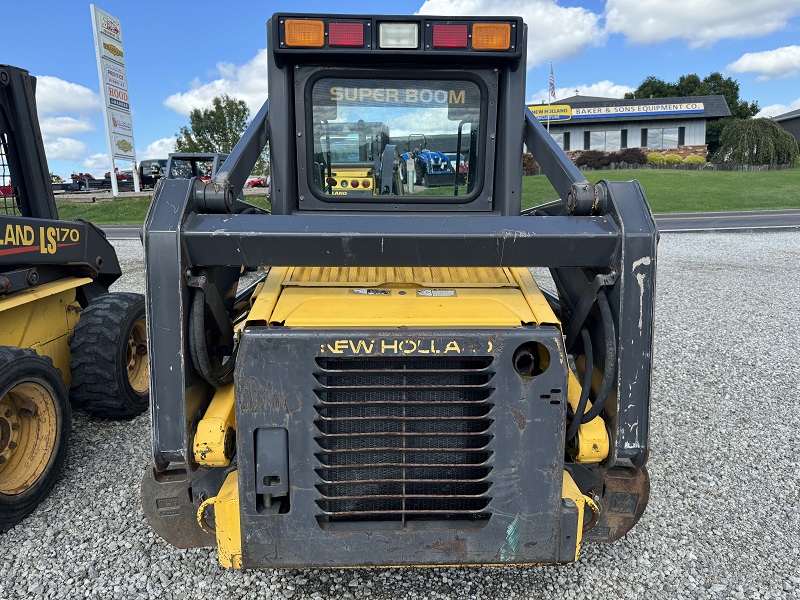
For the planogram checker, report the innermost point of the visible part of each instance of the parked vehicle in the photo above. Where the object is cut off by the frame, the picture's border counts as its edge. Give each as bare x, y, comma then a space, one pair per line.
432, 167
150, 171
65, 341
397, 389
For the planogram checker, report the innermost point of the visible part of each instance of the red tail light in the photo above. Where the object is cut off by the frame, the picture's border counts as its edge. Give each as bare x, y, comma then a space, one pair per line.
449, 36
346, 34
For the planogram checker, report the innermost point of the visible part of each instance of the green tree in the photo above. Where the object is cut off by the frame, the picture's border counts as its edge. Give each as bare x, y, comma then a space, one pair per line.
692, 85
215, 129
218, 129
756, 142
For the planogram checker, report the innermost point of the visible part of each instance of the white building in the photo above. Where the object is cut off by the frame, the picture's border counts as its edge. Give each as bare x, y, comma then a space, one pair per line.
670, 125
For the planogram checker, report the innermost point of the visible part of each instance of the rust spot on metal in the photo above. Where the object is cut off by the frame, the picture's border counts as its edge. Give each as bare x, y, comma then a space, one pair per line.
519, 418
624, 499
456, 546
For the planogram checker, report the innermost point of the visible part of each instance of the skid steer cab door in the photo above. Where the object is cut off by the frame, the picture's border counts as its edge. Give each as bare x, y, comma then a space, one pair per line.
391, 386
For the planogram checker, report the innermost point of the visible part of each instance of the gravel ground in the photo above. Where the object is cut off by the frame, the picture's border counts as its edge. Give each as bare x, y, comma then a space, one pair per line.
723, 519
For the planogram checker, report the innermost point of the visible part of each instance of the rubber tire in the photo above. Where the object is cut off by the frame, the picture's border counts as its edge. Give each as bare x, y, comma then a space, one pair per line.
23, 364
98, 360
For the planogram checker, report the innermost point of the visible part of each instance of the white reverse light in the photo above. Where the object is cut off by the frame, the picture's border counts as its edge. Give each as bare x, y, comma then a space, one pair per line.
398, 35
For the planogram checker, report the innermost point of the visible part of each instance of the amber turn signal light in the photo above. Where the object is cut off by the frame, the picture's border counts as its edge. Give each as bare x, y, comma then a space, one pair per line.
491, 36
305, 33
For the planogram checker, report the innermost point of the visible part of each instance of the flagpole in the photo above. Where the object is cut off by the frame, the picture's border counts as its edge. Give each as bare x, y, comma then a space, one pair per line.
549, 97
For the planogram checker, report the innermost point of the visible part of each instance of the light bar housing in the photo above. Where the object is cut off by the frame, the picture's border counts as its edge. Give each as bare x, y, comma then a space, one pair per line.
389, 38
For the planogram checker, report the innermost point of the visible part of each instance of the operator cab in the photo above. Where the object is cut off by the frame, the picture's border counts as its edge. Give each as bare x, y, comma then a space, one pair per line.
400, 120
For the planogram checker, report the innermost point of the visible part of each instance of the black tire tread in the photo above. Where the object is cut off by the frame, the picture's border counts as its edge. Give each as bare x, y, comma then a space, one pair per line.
98, 386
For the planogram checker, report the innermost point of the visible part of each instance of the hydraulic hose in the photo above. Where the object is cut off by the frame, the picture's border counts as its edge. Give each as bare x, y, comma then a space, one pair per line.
610, 358
587, 385
198, 347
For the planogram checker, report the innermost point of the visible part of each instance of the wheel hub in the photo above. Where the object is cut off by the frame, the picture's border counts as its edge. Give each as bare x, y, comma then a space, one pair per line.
28, 432
9, 432
137, 358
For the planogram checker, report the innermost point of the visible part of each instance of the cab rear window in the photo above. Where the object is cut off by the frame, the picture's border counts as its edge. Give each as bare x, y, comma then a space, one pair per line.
395, 137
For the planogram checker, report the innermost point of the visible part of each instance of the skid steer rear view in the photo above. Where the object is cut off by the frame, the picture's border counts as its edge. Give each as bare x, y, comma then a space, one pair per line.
395, 388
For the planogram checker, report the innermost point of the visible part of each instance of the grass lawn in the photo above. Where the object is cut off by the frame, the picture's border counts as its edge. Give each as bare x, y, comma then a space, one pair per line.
123, 211
692, 191
667, 191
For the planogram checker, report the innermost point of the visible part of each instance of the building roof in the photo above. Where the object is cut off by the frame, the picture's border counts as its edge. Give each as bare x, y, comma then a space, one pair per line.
575, 100
786, 116
714, 107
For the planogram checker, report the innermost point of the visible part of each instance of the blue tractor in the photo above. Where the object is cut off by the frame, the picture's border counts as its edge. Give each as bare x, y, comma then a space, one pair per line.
433, 168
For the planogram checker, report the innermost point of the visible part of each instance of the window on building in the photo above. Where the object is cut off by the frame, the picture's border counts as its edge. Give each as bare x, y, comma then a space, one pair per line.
613, 141
605, 141
597, 140
662, 139
562, 139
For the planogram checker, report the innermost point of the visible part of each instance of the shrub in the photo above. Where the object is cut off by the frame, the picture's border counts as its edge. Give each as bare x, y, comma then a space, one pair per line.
694, 159
632, 156
654, 158
593, 159
673, 159
529, 163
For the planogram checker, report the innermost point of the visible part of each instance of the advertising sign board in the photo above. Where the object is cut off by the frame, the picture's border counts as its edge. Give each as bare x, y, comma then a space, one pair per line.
114, 85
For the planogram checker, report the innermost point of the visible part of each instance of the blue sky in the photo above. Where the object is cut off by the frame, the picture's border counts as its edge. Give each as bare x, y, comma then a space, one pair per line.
179, 55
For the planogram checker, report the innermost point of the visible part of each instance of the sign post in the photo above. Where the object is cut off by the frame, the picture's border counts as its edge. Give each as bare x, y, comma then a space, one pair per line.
114, 88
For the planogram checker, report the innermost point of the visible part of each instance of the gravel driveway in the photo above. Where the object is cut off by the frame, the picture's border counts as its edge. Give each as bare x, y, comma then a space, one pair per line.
723, 519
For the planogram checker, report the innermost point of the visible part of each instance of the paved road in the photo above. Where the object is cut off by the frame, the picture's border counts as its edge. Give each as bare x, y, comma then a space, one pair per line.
729, 221
121, 232
667, 223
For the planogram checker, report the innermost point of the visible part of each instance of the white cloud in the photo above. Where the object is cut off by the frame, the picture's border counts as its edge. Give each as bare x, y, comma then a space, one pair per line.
700, 23
771, 64
602, 89
54, 95
158, 149
554, 32
96, 163
247, 82
55, 126
775, 110
63, 148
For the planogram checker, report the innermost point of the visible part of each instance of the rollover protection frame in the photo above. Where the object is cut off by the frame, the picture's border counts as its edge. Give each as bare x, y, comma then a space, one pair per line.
598, 239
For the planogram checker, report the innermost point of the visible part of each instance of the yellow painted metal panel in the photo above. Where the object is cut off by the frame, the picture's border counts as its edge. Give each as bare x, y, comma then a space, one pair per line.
212, 430
229, 529
571, 491
593, 445
328, 297
42, 291
533, 295
422, 276
342, 307
43, 318
267, 296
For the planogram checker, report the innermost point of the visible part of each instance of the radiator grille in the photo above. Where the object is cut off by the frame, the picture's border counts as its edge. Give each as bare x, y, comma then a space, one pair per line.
404, 439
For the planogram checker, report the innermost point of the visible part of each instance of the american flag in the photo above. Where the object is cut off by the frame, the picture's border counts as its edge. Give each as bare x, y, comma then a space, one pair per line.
552, 82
